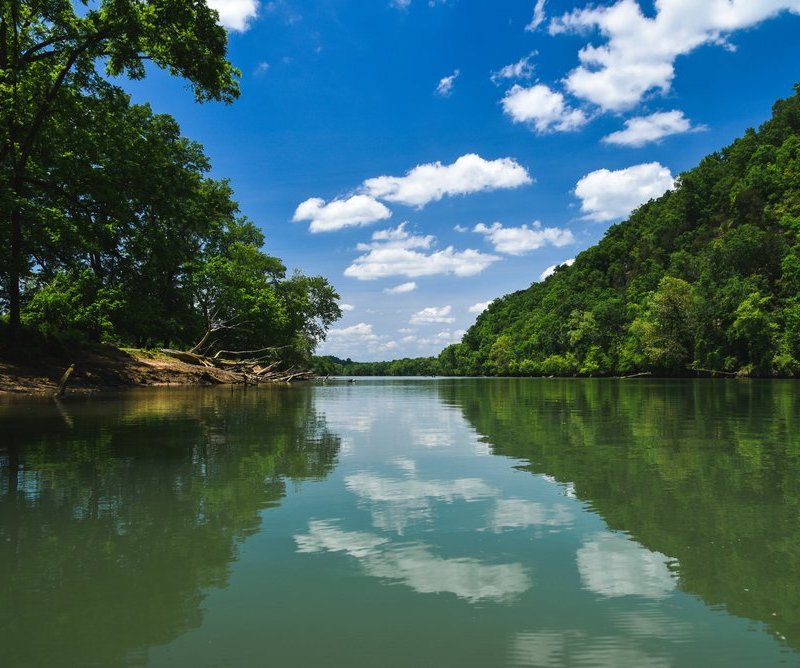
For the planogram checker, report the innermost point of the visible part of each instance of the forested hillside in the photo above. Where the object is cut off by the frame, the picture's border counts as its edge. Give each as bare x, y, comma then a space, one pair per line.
705, 277
111, 228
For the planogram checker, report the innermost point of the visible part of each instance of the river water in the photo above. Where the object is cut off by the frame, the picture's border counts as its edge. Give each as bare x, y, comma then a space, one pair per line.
419, 522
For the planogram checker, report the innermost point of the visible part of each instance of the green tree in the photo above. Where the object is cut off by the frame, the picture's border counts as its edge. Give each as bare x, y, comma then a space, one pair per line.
49, 54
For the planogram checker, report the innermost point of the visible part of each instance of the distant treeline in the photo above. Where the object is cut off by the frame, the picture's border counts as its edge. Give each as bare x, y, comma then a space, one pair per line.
704, 279
329, 365
111, 228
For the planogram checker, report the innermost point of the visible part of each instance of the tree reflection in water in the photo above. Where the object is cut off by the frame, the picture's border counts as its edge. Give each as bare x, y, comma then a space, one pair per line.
117, 514
705, 472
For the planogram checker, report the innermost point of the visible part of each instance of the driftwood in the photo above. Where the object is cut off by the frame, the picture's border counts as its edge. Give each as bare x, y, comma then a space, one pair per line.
62, 384
247, 371
714, 372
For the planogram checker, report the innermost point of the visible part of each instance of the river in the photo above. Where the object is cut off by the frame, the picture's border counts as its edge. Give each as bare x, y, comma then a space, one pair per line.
404, 522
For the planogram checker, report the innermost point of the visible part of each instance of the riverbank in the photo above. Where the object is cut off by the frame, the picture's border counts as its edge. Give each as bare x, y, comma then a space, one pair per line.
102, 367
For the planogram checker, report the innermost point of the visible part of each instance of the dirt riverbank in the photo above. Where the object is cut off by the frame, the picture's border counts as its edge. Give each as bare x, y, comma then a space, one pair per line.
102, 368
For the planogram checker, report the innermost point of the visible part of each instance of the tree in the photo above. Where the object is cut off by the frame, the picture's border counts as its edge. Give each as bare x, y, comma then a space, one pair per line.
49, 54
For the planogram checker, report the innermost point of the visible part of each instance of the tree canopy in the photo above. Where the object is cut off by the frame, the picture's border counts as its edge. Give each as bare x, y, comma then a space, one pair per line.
111, 228
707, 277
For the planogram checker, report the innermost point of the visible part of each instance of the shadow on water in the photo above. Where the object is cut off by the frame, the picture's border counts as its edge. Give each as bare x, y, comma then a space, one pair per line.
117, 514
706, 472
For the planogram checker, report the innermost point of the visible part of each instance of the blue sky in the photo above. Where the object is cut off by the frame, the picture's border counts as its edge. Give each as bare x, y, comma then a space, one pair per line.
429, 156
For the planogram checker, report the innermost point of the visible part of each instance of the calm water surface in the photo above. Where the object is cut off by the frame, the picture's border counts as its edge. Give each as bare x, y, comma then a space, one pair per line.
484, 522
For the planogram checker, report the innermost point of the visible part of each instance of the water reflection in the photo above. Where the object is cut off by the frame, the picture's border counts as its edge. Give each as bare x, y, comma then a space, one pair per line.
552, 649
395, 504
521, 514
117, 516
416, 565
611, 565
706, 472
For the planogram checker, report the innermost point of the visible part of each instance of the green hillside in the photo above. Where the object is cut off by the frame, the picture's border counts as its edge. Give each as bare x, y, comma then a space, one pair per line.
706, 277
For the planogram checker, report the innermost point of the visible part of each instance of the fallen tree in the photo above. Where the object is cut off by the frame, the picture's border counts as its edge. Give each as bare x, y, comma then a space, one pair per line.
252, 371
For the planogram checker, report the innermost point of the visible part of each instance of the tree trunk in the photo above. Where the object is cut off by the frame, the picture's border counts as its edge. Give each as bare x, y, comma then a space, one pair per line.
15, 271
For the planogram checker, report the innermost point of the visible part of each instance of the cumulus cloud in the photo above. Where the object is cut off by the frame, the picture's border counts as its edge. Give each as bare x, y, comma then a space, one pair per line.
395, 252
235, 14
432, 314
346, 307
522, 69
524, 239
445, 87
607, 195
543, 109
639, 53
358, 338
445, 337
646, 129
538, 16
432, 181
552, 268
480, 307
354, 211
400, 289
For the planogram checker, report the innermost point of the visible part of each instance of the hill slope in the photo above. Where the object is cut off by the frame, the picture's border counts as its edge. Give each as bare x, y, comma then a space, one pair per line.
705, 277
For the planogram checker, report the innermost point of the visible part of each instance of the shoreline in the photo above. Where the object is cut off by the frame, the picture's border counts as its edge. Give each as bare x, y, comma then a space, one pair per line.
102, 368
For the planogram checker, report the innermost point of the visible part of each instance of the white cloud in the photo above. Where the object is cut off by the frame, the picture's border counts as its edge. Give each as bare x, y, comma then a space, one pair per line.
432, 314
400, 289
521, 240
445, 87
347, 307
522, 69
359, 338
443, 338
235, 14
360, 331
543, 108
432, 181
261, 69
400, 4
460, 229
355, 211
645, 129
640, 51
395, 252
607, 195
480, 307
611, 565
538, 16
552, 268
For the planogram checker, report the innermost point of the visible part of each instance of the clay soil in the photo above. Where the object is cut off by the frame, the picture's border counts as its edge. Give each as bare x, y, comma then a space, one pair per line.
101, 368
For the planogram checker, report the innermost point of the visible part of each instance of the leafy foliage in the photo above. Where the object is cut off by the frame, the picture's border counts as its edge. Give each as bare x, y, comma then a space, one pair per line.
707, 277
114, 230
